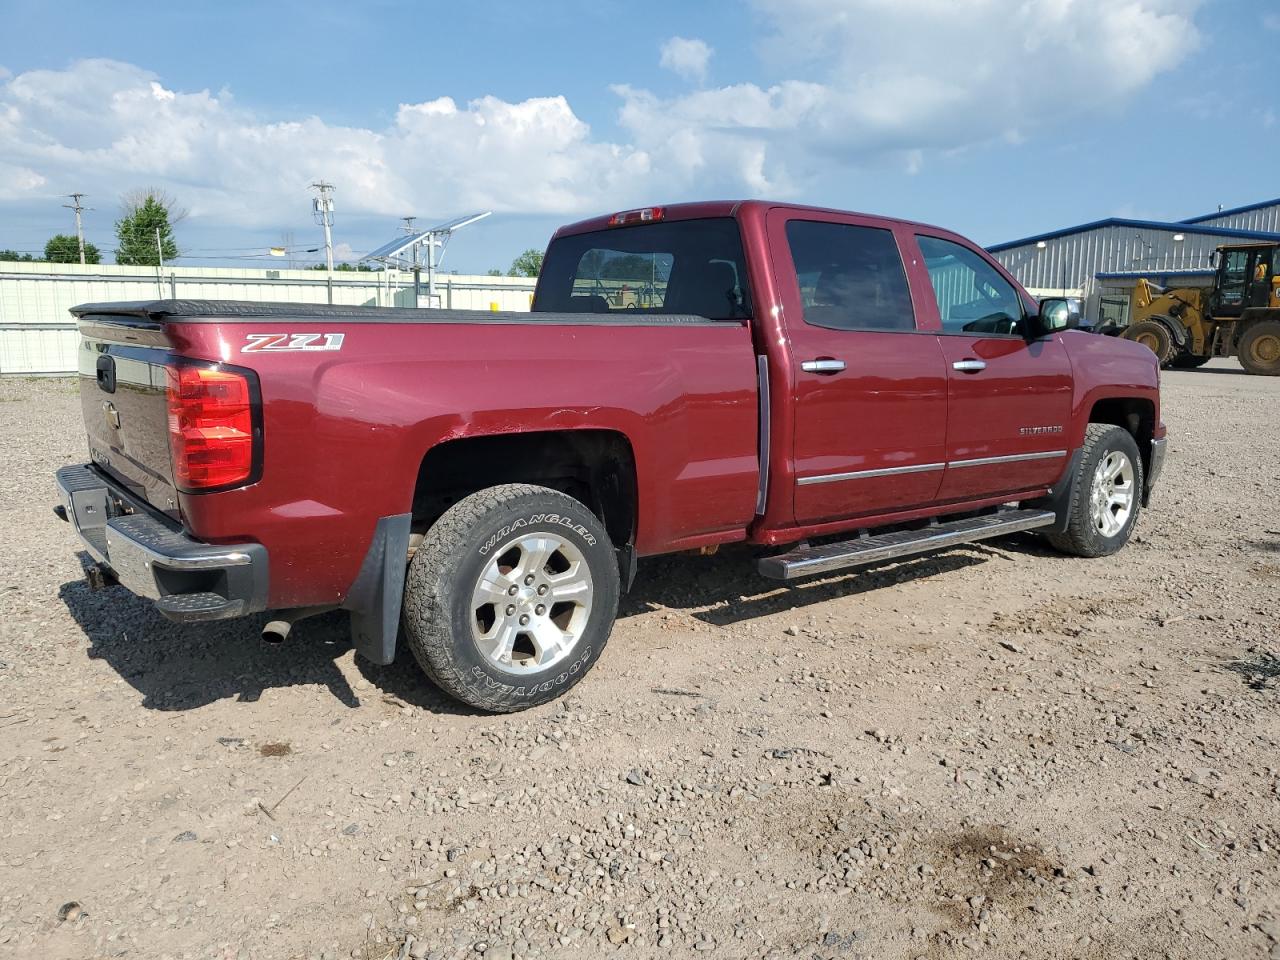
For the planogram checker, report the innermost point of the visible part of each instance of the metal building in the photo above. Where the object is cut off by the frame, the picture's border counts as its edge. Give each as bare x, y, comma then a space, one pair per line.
1101, 262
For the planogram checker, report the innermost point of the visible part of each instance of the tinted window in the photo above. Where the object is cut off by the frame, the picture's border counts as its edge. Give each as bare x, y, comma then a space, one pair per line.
685, 266
972, 296
851, 278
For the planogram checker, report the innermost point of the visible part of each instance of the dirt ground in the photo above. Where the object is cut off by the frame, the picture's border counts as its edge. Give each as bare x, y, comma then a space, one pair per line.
998, 751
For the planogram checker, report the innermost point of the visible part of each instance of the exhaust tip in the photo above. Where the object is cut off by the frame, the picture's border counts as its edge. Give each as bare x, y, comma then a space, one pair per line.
276, 632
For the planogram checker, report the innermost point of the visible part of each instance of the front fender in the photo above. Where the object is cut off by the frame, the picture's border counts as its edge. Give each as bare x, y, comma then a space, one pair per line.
1106, 368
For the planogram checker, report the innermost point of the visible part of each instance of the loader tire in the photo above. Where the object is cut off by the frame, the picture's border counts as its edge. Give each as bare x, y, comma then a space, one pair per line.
1155, 337
1259, 349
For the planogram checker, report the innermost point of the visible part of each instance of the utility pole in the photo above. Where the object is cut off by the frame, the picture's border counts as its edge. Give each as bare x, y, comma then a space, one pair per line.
322, 206
417, 270
75, 205
159, 264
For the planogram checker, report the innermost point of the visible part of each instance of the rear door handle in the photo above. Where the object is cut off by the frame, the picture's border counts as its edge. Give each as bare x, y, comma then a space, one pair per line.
825, 365
969, 366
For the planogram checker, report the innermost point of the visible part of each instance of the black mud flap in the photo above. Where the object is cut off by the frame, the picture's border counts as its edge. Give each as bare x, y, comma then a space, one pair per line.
375, 596
1059, 498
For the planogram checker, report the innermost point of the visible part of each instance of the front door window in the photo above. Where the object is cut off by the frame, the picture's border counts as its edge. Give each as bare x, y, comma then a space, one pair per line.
972, 297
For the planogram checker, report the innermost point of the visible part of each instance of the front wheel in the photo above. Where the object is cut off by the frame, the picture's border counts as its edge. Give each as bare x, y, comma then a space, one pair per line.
511, 597
1107, 494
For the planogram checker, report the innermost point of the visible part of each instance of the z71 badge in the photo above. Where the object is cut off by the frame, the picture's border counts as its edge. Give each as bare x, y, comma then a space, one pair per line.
273, 342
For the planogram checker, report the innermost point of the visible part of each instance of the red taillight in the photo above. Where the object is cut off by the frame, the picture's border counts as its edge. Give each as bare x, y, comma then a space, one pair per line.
210, 427
643, 215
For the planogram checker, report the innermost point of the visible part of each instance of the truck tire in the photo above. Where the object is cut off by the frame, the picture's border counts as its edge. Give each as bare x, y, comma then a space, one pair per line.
1106, 495
1189, 361
1259, 349
511, 596
1155, 336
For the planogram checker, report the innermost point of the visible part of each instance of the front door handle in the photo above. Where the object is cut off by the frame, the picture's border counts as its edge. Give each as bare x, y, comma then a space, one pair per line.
969, 366
825, 365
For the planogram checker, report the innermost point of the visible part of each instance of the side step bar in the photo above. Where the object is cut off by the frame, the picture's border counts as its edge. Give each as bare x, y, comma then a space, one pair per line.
805, 560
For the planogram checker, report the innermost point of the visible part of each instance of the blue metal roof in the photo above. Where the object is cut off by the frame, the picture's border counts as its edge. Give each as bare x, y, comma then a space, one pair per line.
1179, 227
1234, 210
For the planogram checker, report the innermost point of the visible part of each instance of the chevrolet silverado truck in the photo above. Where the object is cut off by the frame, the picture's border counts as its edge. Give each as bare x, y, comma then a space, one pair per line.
836, 389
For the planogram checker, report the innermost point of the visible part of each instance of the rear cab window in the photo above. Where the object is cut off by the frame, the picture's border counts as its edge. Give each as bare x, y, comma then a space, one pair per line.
679, 266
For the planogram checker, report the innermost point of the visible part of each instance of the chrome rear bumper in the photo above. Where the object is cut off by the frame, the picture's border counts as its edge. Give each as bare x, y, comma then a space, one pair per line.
187, 579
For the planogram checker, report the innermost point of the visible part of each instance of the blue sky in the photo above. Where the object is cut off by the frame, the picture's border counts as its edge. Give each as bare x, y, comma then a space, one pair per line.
999, 118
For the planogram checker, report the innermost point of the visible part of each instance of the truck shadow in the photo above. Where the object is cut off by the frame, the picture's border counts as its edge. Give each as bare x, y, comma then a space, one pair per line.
724, 589
184, 666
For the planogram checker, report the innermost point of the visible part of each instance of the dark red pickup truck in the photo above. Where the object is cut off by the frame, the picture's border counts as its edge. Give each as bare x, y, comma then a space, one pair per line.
851, 387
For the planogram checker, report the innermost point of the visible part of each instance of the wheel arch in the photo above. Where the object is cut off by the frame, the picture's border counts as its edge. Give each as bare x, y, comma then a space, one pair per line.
595, 466
1177, 329
1137, 415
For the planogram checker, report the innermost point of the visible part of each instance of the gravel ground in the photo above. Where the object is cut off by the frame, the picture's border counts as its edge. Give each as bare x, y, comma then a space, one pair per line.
998, 750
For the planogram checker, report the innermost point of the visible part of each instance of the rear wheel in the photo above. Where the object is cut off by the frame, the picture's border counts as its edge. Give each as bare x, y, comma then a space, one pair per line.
1189, 361
1259, 349
511, 597
1107, 494
1155, 337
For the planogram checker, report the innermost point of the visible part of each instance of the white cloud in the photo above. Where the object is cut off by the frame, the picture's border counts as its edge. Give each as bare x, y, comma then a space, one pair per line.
891, 83
17, 181
900, 79
688, 58
103, 126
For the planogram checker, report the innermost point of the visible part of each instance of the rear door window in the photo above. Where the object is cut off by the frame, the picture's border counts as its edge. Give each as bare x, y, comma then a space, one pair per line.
851, 277
683, 266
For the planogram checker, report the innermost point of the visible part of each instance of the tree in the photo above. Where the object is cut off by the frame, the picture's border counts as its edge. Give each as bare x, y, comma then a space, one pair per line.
528, 264
345, 267
64, 248
144, 213
493, 272
14, 255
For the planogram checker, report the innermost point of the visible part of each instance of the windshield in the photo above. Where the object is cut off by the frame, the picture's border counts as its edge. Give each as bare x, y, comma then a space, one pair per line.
685, 266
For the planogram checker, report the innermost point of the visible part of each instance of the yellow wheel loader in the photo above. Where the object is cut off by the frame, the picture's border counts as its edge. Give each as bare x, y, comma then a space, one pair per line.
1239, 316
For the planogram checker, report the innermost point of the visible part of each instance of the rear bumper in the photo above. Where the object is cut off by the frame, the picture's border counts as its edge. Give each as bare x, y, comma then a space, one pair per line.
187, 579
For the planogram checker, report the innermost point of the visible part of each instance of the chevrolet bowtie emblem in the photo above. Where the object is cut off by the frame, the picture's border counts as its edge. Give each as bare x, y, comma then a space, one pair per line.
111, 413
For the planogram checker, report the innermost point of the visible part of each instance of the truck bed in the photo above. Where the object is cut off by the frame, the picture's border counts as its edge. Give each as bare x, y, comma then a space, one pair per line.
342, 386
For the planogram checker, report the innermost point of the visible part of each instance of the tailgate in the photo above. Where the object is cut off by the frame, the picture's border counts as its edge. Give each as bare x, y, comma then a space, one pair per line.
123, 384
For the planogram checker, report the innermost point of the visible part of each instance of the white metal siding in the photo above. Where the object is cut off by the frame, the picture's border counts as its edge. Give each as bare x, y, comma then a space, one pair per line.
37, 333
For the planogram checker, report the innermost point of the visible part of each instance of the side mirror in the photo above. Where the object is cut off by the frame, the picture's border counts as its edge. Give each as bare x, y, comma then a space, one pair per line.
1056, 314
